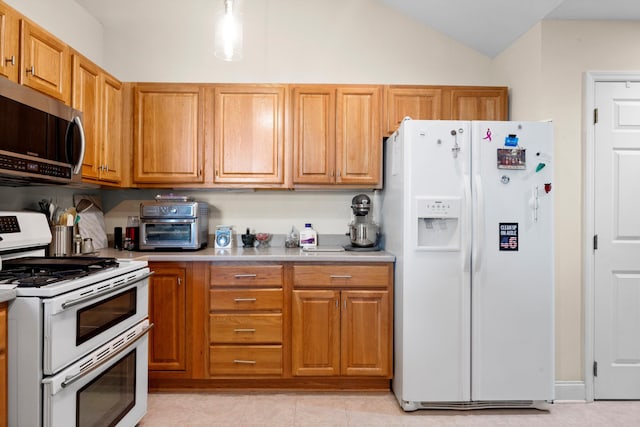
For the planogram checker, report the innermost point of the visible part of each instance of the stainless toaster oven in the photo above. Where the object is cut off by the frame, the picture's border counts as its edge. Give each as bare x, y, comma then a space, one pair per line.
173, 223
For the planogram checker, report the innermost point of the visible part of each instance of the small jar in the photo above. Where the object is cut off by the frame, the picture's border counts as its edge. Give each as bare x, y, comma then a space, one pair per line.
77, 244
87, 246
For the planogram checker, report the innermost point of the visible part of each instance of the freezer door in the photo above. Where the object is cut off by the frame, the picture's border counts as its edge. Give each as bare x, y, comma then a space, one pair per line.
432, 352
512, 343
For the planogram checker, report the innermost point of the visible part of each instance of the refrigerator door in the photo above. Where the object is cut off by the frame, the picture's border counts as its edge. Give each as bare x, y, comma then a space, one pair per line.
432, 355
512, 262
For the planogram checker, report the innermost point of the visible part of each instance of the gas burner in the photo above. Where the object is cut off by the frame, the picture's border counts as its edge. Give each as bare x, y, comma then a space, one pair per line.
35, 278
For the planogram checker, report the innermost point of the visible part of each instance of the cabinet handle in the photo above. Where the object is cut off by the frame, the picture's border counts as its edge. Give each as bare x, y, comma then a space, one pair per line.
245, 362
331, 173
338, 173
179, 281
244, 299
336, 276
337, 304
252, 330
242, 276
31, 70
11, 60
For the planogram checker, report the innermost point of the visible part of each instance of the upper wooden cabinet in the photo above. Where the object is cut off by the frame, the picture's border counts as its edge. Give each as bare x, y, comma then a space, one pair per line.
45, 62
416, 102
478, 103
336, 134
249, 135
444, 103
313, 110
168, 140
359, 135
99, 96
9, 42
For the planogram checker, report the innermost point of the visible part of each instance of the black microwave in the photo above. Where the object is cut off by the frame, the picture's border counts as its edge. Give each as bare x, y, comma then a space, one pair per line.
41, 139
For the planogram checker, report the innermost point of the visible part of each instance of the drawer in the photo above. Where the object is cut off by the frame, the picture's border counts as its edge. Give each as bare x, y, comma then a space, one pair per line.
245, 360
245, 299
245, 328
341, 275
246, 275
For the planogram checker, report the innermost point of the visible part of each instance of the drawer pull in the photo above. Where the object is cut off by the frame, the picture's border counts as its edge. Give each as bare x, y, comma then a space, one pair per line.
244, 362
244, 330
336, 276
244, 276
245, 299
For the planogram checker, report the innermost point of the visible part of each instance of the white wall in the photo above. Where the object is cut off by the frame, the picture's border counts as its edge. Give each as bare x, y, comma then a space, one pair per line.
556, 54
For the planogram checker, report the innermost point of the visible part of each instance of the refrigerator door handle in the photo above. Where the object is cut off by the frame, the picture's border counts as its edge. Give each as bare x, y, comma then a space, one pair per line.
479, 224
467, 215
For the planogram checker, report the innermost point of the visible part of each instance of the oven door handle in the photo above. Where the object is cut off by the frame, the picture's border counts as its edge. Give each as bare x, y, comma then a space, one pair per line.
73, 378
74, 302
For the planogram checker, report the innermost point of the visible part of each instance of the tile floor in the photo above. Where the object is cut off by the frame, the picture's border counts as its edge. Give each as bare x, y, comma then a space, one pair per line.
288, 409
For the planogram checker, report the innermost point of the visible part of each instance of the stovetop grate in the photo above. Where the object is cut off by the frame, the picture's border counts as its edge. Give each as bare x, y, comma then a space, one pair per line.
43, 271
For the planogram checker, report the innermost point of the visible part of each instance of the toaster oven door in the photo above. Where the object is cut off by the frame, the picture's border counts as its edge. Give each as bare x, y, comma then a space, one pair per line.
167, 233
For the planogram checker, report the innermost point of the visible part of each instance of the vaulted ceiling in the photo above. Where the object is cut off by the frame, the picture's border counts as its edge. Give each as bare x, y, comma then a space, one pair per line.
487, 26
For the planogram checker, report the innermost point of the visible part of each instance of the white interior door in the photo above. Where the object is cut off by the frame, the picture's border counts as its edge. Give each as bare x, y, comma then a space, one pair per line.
617, 225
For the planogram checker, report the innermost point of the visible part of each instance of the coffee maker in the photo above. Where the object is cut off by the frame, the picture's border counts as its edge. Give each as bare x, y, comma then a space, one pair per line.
363, 232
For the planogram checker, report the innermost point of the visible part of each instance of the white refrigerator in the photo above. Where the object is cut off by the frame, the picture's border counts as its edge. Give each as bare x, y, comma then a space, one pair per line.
467, 209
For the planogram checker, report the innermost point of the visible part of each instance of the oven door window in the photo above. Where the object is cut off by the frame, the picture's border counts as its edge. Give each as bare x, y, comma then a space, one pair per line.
168, 233
109, 397
97, 318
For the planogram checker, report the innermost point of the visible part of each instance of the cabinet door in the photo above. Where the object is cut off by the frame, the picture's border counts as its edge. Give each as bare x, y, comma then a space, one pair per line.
45, 62
168, 137
167, 312
365, 333
316, 333
111, 132
313, 109
358, 135
86, 98
419, 103
249, 134
9, 46
479, 103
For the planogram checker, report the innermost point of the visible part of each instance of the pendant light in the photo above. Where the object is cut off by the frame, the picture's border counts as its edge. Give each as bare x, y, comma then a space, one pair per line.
228, 32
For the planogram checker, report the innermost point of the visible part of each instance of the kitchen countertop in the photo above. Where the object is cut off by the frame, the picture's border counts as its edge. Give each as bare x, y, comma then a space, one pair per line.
279, 254
7, 294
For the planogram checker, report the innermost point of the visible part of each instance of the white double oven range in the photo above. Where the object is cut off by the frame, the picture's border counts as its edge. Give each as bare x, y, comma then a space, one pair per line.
77, 332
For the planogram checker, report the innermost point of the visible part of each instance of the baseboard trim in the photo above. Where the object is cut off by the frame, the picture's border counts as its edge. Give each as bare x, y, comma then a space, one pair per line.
570, 390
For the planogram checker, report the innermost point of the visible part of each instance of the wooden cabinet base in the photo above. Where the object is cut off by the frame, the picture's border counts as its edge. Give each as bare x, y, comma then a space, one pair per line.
253, 384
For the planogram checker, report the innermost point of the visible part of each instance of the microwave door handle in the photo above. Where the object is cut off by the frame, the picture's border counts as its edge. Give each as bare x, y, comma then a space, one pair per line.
74, 302
73, 378
77, 168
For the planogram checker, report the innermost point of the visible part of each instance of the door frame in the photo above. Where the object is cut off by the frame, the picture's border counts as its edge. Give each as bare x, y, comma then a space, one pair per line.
588, 255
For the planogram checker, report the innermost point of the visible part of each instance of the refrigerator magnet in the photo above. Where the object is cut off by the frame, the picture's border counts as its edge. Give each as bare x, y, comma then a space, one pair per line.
508, 236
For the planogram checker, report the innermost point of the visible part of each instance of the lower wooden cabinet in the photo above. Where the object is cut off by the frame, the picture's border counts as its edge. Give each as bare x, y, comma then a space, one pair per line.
341, 333
245, 320
168, 313
285, 325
